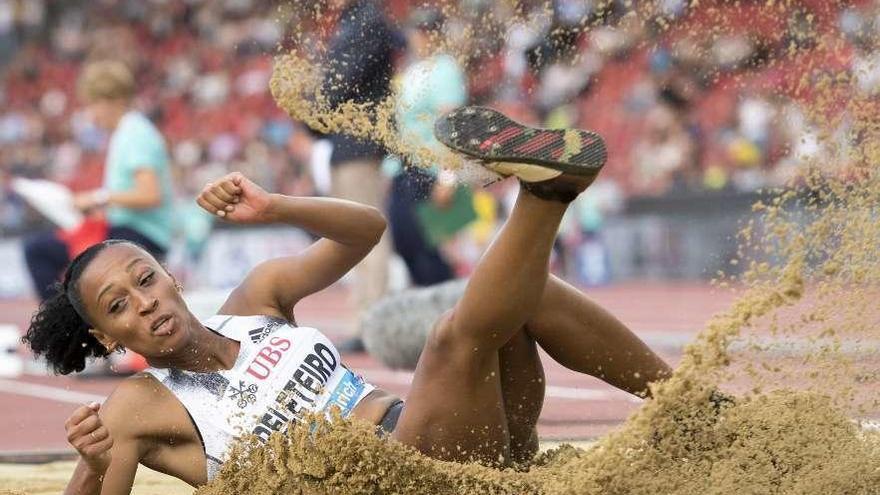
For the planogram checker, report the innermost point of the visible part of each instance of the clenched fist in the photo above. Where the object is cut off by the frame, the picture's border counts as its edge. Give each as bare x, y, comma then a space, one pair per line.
235, 198
88, 435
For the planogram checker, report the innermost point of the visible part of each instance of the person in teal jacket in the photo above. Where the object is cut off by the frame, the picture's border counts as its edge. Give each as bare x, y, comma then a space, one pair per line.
432, 84
137, 193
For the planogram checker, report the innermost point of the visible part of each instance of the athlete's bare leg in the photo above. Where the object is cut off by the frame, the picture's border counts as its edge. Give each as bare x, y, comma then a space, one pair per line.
584, 337
455, 409
580, 335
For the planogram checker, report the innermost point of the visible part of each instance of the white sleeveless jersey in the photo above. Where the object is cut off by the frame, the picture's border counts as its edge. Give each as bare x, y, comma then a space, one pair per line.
281, 373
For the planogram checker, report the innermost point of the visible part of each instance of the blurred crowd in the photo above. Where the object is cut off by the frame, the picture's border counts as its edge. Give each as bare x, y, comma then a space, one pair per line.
202, 69
686, 107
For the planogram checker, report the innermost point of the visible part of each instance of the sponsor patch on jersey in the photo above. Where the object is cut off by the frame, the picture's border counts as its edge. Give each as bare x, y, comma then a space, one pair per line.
346, 393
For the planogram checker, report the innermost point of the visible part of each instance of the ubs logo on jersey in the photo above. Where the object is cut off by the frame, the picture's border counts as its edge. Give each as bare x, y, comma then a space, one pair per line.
268, 357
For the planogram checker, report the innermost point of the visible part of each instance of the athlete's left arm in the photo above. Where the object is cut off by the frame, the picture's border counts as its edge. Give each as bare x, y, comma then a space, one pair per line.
348, 232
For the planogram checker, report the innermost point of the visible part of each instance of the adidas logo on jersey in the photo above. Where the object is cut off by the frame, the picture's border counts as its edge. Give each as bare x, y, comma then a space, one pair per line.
258, 334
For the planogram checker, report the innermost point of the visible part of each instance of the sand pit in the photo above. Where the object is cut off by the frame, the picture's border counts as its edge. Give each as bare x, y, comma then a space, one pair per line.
811, 273
51, 478
810, 250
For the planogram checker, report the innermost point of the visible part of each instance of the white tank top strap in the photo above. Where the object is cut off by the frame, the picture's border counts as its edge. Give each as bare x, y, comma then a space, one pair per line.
239, 328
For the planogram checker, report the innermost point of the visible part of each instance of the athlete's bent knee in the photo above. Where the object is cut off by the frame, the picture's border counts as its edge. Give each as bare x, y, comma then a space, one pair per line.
449, 338
442, 338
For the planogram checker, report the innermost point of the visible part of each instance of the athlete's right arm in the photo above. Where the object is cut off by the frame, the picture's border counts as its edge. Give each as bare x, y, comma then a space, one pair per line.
108, 449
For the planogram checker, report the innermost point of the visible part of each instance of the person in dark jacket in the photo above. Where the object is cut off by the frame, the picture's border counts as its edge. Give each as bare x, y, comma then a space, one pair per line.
360, 59
431, 85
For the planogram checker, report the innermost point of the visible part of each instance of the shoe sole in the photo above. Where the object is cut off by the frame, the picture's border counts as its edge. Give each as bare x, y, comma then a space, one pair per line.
489, 135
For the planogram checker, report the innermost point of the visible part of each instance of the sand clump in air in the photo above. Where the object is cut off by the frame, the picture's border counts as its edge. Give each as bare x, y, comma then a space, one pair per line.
795, 348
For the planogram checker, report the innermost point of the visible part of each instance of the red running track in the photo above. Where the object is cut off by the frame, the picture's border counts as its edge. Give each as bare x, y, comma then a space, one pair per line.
33, 407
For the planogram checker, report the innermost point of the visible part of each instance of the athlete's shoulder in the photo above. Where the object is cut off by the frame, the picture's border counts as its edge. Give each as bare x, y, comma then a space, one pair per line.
137, 392
135, 398
139, 386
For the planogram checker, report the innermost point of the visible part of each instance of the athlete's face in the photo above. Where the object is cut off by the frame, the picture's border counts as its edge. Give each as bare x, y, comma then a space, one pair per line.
132, 301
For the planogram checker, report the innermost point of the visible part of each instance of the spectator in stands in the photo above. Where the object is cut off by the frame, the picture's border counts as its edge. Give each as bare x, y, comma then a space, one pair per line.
431, 85
204, 67
137, 193
360, 61
663, 153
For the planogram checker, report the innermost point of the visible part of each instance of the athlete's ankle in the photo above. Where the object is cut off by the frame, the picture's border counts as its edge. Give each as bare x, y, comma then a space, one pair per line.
564, 189
553, 203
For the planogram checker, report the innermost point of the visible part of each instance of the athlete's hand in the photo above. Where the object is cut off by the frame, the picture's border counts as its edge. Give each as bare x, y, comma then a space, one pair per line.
88, 435
235, 198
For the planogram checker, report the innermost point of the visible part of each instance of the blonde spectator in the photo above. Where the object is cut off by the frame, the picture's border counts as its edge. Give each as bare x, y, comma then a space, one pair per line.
135, 200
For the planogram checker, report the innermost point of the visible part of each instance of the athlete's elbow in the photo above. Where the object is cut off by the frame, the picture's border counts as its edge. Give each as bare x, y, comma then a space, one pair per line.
376, 225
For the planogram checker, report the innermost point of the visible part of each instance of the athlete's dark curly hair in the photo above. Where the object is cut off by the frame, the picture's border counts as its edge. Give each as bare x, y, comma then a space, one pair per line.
59, 330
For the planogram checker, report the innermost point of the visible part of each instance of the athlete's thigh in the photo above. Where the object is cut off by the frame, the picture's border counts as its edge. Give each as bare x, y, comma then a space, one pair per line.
455, 409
